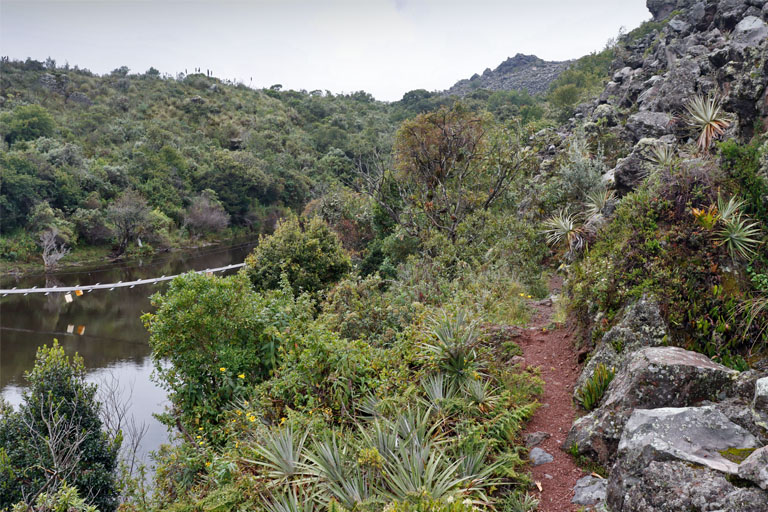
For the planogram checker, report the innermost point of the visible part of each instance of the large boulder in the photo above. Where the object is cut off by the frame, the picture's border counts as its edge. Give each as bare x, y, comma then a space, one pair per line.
649, 124
677, 486
677, 459
632, 169
755, 467
640, 326
653, 377
751, 31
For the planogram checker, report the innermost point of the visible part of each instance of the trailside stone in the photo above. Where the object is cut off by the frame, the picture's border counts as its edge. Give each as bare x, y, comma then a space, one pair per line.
535, 438
697, 435
652, 377
672, 458
589, 490
676, 486
640, 326
755, 468
539, 457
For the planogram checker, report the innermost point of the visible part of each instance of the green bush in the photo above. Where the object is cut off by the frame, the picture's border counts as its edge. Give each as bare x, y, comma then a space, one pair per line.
57, 436
26, 122
308, 253
218, 336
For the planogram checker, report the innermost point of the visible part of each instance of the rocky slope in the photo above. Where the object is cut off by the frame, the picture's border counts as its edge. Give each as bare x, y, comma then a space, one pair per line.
676, 430
521, 72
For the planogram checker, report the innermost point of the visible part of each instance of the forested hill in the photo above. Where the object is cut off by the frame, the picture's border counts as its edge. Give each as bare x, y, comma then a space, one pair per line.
89, 137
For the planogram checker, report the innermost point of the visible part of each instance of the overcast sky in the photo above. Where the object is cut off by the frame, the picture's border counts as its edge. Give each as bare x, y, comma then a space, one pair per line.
385, 47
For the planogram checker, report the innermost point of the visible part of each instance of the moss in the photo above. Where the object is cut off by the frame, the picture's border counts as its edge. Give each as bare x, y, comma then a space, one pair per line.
737, 455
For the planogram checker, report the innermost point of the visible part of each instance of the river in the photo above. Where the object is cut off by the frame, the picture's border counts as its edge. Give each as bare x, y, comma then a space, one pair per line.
103, 326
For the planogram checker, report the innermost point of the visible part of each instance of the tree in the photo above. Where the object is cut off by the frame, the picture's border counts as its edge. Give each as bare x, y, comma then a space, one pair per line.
447, 164
56, 437
308, 253
205, 214
53, 248
128, 214
26, 122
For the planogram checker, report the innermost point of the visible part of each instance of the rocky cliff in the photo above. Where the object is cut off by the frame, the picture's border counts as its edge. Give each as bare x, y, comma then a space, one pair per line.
521, 72
676, 430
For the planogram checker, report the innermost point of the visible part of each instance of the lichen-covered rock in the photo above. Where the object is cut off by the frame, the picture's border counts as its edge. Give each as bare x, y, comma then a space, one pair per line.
760, 403
678, 486
632, 169
649, 124
652, 377
589, 491
675, 459
699, 435
641, 325
751, 31
755, 467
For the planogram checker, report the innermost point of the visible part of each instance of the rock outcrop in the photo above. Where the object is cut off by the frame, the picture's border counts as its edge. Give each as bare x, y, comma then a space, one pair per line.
521, 72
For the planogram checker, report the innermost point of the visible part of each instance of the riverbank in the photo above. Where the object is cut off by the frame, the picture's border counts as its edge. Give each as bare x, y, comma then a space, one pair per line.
98, 257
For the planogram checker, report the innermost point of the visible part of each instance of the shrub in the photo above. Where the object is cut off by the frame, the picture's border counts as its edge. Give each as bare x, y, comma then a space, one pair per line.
307, 252
219, 335
26, 122
56, 436
205, 214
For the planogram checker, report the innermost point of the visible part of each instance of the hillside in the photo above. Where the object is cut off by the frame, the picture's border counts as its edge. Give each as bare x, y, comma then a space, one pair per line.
524, 73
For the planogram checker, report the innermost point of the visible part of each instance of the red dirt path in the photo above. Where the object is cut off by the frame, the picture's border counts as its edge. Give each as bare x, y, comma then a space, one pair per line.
554, 353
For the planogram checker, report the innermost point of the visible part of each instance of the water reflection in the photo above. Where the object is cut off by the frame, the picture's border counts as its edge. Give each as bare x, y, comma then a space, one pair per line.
103, 327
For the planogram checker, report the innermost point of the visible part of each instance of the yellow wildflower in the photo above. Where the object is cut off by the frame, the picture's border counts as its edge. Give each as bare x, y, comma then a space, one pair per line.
208, 463
239, 413
222, 369
282, 420
200, 443
241, 376
199, 437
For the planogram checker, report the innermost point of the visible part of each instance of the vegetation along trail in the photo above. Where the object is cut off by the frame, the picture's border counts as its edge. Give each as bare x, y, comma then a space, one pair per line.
551, 348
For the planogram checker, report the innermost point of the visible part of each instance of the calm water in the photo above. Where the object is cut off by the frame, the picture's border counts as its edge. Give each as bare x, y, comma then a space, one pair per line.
103, 327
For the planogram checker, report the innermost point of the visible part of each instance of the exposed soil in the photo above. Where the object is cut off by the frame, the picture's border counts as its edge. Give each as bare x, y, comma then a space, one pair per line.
553, 351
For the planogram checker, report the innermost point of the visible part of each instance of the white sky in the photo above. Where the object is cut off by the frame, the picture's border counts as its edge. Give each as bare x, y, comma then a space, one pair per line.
385, 47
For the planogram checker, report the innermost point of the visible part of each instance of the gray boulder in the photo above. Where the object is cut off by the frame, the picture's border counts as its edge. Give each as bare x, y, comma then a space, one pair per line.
677, 486
652, 377
755, 467
649, 124
589, 491
673, 459
760, 403
632, 169
699, 435
751, 31
640, 326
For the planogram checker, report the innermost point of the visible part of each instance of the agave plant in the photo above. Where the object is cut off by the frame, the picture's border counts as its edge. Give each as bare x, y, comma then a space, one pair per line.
598, 200
438, 388
481, 393
422, 472
663, 155
280, 454
730, 209
706, 115
740, 236
337, 475
455, 346
562, 227
290, 501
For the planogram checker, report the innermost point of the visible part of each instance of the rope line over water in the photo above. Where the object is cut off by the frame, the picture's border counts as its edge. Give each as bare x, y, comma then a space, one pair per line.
109, 286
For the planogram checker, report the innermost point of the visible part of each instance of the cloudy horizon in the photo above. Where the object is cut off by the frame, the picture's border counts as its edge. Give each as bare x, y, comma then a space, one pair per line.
384, 47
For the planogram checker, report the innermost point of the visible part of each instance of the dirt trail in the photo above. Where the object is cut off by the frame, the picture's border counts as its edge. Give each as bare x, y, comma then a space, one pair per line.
553, 351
